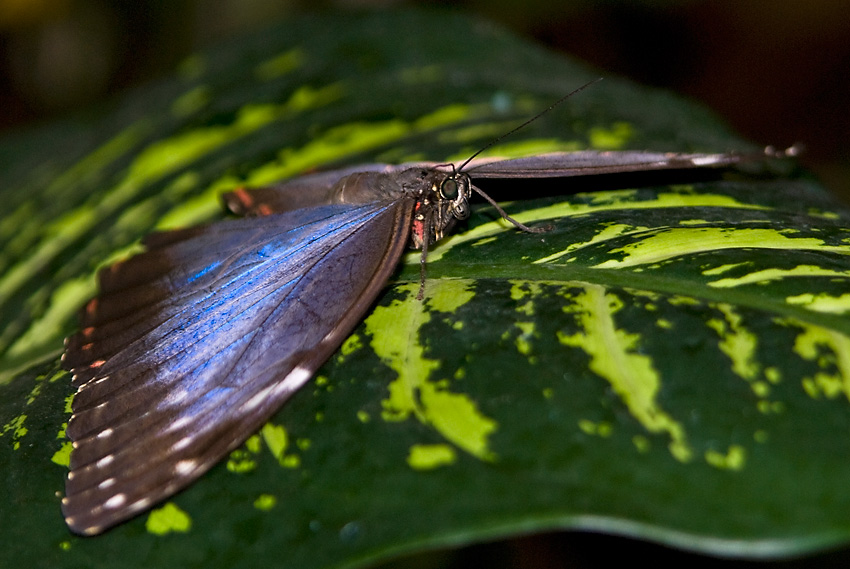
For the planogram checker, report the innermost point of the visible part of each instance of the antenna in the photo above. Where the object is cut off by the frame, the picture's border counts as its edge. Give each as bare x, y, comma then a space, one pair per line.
529, 121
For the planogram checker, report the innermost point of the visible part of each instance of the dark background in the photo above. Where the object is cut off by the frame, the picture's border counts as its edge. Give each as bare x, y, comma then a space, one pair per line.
776, 70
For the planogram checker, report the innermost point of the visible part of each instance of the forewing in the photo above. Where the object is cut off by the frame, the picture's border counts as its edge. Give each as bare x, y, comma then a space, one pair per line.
589, 162
192, 345
304, 191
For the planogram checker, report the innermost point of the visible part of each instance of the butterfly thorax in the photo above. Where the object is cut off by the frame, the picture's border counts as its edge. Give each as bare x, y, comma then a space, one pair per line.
439, 198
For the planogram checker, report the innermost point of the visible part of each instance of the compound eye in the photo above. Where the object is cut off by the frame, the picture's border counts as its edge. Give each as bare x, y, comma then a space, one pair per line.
448, 189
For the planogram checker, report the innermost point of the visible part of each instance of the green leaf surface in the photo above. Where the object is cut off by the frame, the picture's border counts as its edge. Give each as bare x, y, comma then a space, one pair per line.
671, 360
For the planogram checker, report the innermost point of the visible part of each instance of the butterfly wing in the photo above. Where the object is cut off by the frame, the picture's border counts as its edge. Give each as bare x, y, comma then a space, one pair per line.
192, 345
590, 162
304, 191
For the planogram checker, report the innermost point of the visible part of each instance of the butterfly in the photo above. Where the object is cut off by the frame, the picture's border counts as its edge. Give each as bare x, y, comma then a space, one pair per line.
192, 345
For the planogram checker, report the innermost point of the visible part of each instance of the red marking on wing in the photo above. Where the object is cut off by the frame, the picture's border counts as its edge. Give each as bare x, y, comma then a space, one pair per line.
91, 307
244, 197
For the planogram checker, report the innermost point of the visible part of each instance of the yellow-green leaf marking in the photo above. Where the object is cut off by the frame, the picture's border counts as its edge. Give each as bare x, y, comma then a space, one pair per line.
416, 392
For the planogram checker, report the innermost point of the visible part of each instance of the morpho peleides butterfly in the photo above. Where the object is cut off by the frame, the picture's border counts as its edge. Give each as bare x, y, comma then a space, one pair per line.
192, 345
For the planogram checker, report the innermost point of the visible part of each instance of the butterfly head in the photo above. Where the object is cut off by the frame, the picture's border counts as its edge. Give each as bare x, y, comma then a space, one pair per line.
442, 200
453, 195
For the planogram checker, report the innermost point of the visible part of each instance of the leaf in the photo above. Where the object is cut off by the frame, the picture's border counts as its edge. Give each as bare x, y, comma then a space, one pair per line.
668, 361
